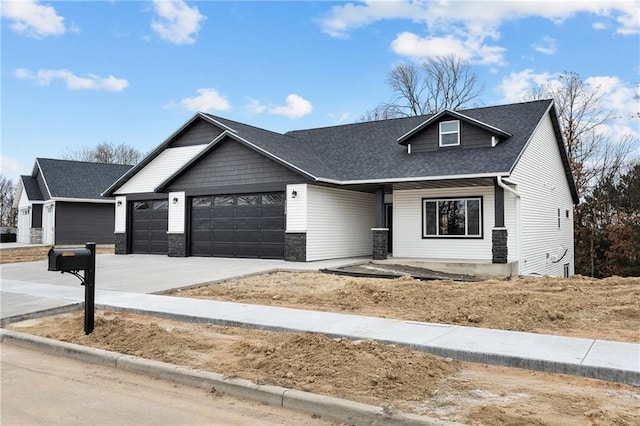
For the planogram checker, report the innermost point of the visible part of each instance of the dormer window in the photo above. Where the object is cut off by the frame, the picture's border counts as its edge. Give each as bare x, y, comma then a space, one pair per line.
450, 133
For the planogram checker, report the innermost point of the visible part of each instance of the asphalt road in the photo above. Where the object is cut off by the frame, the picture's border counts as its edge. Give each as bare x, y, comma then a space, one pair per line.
38, 388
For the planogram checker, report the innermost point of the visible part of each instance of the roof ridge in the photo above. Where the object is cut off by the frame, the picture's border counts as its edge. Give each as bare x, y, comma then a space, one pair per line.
82, 161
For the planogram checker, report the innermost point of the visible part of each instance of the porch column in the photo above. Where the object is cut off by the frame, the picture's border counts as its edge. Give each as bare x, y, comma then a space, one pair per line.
176, 237
120, 237
380, 233
499, 247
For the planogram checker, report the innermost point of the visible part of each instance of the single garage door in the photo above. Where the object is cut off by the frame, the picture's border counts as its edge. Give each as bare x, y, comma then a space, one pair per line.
241, 225
149, 226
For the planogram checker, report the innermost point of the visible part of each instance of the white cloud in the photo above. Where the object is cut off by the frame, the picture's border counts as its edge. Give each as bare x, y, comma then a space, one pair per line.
207, 100
296, 107
469, 25
600, 25
472, 48
517, 86
72, 81
546, 45
254, 107
617, 95
176, 22
33, 19
12, 168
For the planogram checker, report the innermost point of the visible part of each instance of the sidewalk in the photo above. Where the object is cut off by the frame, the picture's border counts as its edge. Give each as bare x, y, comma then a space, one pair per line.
601, 359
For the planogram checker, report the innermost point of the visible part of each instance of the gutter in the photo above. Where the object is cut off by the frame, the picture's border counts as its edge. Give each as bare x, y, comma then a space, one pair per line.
506, 187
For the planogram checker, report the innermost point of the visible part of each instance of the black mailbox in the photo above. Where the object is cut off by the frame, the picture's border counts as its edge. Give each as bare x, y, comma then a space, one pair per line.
71, 259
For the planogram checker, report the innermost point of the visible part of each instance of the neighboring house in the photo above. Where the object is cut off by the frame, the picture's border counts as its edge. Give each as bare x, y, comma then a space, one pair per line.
485, 185
61, 202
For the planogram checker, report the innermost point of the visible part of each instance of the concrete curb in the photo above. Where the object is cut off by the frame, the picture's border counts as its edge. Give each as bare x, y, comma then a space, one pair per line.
336, 409
72, 306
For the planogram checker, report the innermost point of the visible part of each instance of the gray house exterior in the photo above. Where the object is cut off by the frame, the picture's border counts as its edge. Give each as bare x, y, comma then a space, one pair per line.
485, 185
61, 202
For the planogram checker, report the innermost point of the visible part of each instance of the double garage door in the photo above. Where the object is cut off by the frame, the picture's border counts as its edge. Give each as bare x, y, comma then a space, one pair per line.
240, 225
243, 225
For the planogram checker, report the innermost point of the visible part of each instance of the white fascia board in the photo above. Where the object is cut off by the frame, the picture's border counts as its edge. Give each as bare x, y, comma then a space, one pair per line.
216, 122
408, 179
270, 155
83, 200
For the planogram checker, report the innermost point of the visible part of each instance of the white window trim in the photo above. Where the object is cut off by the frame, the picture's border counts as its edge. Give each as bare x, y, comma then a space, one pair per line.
448, 133
466, 218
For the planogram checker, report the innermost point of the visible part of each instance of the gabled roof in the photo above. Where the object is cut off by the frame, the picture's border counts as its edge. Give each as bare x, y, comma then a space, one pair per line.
448, 112
30, 186
369, 152
76, 179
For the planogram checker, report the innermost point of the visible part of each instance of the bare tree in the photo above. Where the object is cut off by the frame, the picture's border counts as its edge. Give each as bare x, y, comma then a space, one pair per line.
8, 215
105, 152
593, 156
427, 88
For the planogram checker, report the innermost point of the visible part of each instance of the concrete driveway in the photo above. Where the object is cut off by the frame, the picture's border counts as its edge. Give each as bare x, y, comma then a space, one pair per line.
138, 274
152, 274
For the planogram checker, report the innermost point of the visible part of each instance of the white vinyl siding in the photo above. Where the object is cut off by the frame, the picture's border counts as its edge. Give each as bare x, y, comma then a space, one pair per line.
339, 223
159, 169
24, 225
296, 208
542, 184
121, 215
49, 223
176, 213
408, 219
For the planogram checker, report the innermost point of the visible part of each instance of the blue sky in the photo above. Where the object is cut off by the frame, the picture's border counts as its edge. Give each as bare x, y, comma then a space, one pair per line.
78, 73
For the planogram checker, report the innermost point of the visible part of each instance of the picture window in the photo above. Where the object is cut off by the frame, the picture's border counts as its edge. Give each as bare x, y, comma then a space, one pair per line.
452, 218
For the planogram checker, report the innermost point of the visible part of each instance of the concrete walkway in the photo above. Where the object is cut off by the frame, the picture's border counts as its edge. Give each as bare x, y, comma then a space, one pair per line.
607, 360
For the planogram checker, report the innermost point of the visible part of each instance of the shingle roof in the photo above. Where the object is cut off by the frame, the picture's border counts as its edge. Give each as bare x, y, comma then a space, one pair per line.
365, 151
369, 151
30, 185
78, 179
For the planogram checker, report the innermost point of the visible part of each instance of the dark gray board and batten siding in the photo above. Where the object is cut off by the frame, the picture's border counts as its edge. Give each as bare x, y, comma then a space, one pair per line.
471, 136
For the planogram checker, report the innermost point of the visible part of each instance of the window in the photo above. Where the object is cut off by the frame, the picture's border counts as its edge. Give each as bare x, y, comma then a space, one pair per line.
452, 218
141, 205
272, 199
449, 133
247, 200
223, 200
201, 202
161, 205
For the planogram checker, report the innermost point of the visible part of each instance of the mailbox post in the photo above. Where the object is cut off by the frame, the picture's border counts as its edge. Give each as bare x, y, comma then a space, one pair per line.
73, 261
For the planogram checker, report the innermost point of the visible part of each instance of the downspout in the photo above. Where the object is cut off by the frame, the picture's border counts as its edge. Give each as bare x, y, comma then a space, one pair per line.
506, 187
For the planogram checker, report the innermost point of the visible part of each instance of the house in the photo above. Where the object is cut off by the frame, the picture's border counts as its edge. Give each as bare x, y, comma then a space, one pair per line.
61, 202
489, 186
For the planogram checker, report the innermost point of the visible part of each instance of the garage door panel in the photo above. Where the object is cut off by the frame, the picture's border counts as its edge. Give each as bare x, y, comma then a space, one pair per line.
271, 223
271, 251
149, 227
223, 212
222, 250
247, 250
222, 236
244, 225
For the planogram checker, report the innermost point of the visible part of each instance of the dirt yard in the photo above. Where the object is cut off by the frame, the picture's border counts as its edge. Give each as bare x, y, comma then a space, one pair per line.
581, 307
384, 375
32, 254
390, 376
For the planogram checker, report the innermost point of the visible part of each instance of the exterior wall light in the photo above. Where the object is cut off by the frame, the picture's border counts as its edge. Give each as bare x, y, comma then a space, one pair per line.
294, 193
119, 203
175, 200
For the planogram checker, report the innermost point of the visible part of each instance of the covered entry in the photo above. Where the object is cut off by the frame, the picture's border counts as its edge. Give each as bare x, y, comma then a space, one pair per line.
149, 226
238, 225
